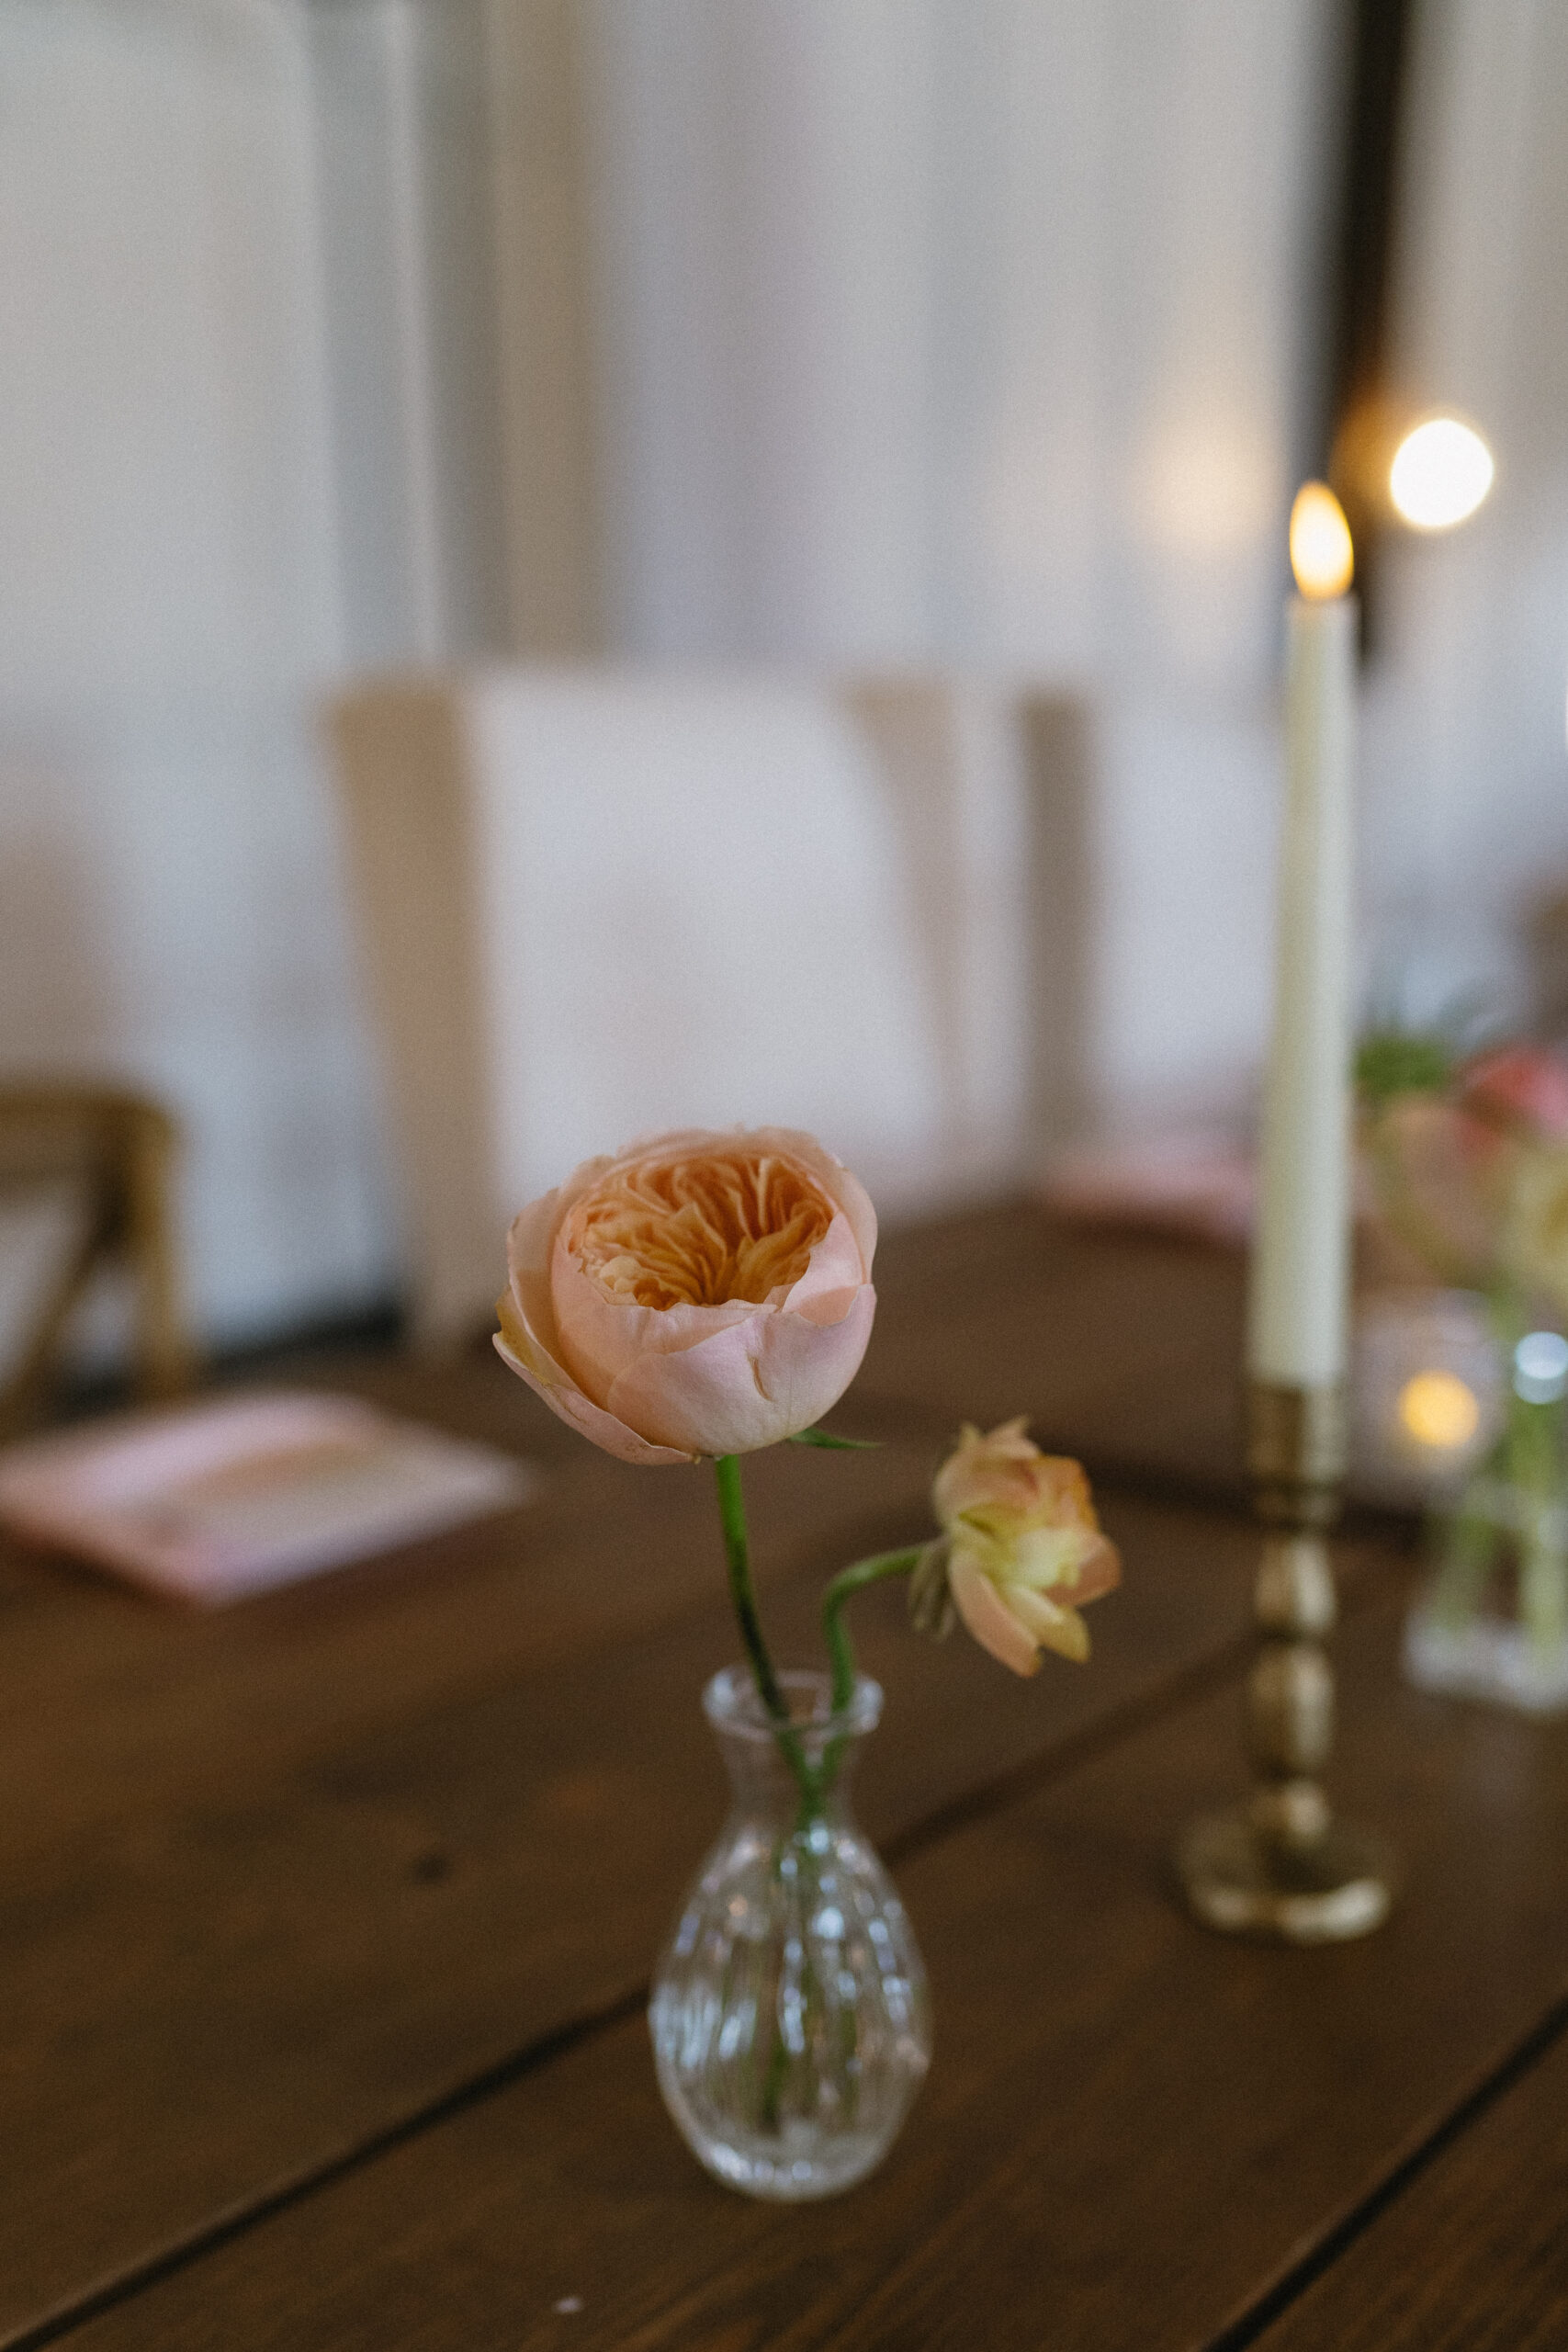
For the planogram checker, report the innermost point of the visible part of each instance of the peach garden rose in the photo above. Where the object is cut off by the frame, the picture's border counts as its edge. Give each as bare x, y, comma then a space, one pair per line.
696, 1293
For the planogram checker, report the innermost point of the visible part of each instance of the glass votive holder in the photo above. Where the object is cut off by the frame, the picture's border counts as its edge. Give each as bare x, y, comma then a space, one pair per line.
1428, 1394
1449, 1414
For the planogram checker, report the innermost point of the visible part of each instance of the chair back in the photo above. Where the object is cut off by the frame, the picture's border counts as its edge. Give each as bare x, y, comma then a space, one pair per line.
597, 903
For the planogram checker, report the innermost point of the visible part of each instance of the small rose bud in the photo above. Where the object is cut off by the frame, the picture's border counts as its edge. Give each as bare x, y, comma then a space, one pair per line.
1024, 1552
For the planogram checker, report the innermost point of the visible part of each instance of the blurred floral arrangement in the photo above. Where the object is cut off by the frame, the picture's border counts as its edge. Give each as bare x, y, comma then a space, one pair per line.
696, 1297
1466, 1158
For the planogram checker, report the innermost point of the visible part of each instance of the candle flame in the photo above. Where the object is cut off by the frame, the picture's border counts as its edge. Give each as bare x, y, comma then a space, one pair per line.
1321, 554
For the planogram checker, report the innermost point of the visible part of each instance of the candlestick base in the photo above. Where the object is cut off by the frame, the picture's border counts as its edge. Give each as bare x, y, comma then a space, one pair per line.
1242, 1881
1280, 1865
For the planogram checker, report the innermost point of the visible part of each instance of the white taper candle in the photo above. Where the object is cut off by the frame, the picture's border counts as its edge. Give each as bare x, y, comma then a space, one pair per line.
1299, 1301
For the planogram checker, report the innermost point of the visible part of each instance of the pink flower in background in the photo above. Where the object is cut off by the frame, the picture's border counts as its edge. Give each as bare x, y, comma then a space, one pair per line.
1024, 1550
1441, 1177
1519, 1087
697, 1294
1471, 1173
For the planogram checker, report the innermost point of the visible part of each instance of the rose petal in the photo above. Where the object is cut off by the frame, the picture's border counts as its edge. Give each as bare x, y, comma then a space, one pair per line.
842, 1188
991, 1623
806, 1363
599, 1338
836, 1266
578, 1412
1047, 1622
1099, 1572
748, 1384
529, 1243
998, 1468
1044, 1558
1062, 1491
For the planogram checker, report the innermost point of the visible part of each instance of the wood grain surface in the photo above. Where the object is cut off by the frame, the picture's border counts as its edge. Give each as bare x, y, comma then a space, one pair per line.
1132, 2129
1473, 2257
324, 1919
256, 1968
1124, 1349
278, 1877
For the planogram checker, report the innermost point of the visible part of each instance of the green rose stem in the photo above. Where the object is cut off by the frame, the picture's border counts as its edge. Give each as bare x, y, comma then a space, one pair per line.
843, 1588
732, 1516
841, 1649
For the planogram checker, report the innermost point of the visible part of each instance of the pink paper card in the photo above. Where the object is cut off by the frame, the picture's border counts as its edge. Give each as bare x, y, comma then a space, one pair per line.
212, 1501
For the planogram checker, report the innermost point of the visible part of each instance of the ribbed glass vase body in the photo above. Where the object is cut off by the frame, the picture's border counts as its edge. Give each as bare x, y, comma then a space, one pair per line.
789, 2012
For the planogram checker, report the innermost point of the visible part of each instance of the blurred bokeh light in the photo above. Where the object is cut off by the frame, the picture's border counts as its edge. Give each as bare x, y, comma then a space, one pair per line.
1441, 471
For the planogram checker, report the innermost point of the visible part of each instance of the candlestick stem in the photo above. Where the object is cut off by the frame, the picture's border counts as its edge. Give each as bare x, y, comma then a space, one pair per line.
1282, 1865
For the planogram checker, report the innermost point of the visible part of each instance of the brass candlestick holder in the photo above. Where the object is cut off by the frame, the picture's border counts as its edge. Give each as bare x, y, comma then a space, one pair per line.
1280, 1865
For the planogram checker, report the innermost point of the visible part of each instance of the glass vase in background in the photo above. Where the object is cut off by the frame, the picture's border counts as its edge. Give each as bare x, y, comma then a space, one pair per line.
1492, 1621
789, 2011
1428, 1394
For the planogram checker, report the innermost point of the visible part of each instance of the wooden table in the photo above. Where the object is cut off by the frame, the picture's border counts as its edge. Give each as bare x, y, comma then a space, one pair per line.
325, 1920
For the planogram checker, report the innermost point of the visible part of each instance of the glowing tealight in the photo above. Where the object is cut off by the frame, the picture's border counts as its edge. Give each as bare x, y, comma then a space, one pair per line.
1438, 1408
1321, 555
1440, 473
1540, 1367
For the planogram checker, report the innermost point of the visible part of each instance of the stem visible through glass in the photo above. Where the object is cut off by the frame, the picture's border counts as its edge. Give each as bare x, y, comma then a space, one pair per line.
794, 1853
738, 1553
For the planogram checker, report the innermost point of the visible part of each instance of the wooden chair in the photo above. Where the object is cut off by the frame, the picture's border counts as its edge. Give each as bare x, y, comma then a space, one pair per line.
116, 1151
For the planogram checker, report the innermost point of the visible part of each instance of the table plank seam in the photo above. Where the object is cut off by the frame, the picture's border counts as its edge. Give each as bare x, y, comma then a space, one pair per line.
212, 2235
1254, 2323
883, 1421
1122, 1478
1186, 1688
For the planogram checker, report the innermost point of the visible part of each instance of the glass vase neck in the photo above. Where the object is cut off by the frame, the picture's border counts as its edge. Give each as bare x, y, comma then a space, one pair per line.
763, 1761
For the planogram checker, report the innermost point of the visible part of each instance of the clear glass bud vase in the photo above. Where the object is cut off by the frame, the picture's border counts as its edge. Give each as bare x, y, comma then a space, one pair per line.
789, 2012
1494, 1621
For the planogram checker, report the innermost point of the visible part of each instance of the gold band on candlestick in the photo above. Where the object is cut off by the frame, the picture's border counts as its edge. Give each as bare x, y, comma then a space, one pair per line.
1280, 1865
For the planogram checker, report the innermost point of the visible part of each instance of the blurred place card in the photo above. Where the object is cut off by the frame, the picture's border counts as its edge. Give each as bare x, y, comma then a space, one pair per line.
213, 1501
1195, 1183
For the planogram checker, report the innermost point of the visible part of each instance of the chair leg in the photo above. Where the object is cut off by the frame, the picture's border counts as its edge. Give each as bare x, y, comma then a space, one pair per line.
20, 1395
164, 1357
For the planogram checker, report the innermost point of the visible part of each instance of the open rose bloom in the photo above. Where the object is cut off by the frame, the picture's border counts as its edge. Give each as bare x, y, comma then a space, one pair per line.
697, 1294
1024, 1550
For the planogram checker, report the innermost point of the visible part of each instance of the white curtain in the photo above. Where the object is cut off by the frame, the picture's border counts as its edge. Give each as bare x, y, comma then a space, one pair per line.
971, 333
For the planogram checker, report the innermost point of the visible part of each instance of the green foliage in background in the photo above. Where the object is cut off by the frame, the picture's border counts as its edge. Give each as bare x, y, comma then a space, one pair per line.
1391, 1062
